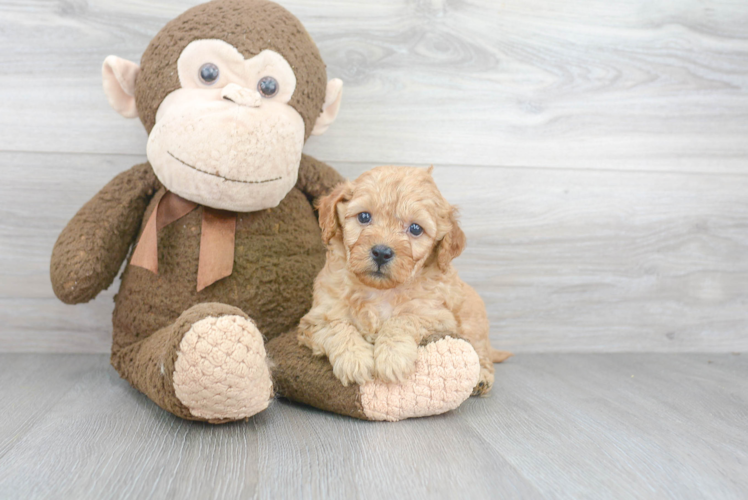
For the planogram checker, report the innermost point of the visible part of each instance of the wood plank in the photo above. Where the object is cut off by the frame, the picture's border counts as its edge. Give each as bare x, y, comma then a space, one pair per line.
602, 261
335, 457
105, 437
35, 204
31, 385
637, 86
556, 425
623, 426
566, 260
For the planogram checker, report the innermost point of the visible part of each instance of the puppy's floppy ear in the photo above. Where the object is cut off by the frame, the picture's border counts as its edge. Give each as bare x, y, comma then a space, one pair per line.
452, 245
328, 214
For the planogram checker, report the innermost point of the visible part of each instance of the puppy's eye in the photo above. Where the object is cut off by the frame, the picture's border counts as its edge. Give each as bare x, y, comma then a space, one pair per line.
209, 73
364, 217
415, 229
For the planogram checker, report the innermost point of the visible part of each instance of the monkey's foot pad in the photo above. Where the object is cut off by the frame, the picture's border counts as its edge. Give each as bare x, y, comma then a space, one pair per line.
221, 372
446, 372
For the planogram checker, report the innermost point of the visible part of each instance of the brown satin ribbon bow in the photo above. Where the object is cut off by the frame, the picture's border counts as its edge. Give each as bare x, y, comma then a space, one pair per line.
217, 235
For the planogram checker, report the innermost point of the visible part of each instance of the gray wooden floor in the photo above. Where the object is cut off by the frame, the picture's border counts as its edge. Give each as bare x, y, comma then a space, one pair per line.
556, 426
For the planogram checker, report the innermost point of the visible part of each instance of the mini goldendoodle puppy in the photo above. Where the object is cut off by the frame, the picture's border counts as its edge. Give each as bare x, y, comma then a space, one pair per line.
388, 283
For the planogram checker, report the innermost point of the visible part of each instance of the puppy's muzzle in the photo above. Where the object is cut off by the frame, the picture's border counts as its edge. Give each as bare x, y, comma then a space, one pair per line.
382, 254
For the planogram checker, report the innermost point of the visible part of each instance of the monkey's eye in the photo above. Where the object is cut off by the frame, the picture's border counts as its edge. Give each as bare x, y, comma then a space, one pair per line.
415, 229
209, 73
267, 86
364, 217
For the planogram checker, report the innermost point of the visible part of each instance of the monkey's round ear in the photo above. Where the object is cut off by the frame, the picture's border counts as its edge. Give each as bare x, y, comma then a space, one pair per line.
331, 107
119, 77
328, 213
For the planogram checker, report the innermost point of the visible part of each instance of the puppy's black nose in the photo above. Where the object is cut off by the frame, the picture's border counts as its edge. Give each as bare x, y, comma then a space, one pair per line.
382, 254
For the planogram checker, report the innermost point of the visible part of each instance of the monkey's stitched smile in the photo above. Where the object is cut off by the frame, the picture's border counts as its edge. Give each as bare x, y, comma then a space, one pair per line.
222, 177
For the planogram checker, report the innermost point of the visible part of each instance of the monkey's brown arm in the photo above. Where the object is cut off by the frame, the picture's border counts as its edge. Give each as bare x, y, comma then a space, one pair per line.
89, 251
316, 178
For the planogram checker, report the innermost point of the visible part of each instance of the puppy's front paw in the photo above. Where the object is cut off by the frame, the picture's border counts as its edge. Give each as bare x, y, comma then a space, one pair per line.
354, 366
395, 359
485, 382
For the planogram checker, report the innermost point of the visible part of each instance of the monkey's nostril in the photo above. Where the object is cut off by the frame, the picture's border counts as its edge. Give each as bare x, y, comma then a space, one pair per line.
229, 99
382, 254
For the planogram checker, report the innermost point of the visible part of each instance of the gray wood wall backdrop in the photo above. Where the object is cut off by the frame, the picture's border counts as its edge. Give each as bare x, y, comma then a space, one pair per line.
599, 152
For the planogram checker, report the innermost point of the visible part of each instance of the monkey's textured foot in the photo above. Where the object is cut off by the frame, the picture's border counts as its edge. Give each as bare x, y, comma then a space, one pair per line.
221, 372
446, 373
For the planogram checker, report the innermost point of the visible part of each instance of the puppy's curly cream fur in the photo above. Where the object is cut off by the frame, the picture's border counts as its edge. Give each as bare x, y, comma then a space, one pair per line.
369, 316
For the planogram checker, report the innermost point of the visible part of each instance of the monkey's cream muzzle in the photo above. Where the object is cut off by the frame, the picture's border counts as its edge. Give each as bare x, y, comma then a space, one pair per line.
227, 154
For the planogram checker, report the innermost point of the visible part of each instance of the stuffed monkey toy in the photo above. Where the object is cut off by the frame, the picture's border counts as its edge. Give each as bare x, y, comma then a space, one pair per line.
220, 230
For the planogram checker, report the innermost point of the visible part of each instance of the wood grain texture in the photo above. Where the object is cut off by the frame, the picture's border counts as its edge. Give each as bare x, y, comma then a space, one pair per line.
556, 426
31, 386
598, 153
638, 85
566, 260
636, 426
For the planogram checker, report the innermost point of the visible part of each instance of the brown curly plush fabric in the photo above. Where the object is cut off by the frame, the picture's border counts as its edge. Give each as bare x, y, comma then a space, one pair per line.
278, 253
249, 25
90, 250
302, 377
149, 365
